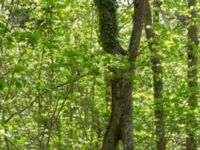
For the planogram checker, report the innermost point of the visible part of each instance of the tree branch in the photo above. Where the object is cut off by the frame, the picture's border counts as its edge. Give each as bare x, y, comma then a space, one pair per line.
137, 29
108, 26
44, 92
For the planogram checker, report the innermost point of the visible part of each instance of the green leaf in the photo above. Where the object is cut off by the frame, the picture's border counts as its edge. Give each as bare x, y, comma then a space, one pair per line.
2, 83
19, 68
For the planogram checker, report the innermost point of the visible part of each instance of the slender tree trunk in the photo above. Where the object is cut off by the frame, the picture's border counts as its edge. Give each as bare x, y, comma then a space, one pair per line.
5, 128
107, 93
157, 77
120, 126
192, 78
58, 133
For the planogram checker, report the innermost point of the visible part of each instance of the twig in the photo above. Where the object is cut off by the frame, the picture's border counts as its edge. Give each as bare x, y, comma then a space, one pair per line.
56, 87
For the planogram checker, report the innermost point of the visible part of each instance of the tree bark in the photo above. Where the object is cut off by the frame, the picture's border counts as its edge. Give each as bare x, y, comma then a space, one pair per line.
192, 77
157, 77
120, 125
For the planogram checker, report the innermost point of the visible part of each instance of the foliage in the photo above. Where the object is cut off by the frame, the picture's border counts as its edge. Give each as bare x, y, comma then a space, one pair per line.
53, 76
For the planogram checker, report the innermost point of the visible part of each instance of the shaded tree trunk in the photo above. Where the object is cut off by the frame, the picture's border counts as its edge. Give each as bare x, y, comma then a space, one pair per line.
157, 76
192, 77
120, 126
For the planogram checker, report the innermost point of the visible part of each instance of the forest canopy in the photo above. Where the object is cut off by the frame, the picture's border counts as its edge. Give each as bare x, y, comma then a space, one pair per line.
99, 74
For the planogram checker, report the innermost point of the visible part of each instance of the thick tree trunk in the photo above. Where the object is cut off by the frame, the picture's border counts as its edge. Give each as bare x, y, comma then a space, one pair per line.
192, 78
157, 78
120, 125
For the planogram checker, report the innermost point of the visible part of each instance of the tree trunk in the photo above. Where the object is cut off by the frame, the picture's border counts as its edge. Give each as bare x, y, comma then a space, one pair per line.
157, 77
192, 78
120, 125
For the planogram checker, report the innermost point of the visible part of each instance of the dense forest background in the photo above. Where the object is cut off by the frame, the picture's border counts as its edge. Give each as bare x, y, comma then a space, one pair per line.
57, 75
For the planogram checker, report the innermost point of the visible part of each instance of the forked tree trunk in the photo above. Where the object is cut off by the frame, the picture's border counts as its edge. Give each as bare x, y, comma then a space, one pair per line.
157, 77
120, 125
192, 77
